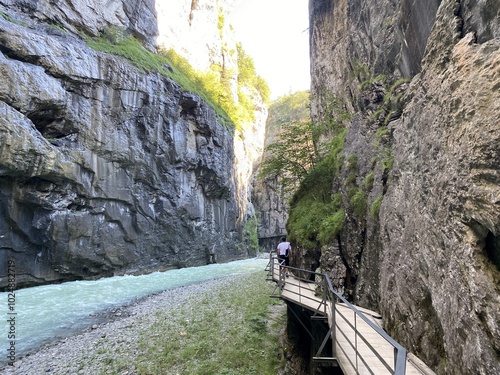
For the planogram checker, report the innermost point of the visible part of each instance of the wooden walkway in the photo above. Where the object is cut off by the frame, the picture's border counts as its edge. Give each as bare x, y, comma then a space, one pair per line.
359, 344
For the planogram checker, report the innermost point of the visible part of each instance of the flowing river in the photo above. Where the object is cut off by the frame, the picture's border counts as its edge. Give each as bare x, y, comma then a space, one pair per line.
44, 313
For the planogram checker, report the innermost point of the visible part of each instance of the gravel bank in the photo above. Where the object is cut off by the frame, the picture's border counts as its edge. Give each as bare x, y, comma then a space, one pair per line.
83, 353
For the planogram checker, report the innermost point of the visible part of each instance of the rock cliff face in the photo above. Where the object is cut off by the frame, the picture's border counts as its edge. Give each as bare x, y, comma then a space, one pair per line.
199, 31
272, 192
429, 260
106, 169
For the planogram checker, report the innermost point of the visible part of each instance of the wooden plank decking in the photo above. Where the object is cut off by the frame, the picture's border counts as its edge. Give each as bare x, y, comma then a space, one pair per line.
353, 336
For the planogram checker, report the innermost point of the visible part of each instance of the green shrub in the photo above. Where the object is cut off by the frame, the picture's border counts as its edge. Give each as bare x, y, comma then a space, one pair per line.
247, 75
359, 203
291, 156
262, 88
245, 107
368, 181
365, 76
381, 132
313, 202
316, 220
389, 96
331, 227
388, 159
352, 170
375, 207
305, 221
350, 179
352, 162
337, 148
315, 215
220, 24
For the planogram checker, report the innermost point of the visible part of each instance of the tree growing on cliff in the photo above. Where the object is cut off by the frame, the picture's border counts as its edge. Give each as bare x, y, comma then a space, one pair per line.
290, 153
307, 168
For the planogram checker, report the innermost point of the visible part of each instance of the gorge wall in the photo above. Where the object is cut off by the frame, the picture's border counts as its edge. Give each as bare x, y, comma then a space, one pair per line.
421, 80
106, 168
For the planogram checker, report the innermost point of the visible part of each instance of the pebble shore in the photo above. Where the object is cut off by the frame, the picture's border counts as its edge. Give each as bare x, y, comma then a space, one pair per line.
79, 354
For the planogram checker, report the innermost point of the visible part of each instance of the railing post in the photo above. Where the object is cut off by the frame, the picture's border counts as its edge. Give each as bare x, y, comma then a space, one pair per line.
334, 324
356, 341
282, 276
325, 293
395, 359
399, 361
271, 264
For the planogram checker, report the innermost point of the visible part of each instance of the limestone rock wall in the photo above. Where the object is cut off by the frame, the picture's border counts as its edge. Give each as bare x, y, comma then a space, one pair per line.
268, 200
106, 169
442, 212
200, 31
429, 260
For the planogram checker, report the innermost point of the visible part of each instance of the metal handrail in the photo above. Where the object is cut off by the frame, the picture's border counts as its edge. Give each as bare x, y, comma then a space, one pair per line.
332, 297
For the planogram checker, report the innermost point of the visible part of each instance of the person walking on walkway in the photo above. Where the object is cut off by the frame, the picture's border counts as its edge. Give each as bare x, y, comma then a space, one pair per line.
284, 251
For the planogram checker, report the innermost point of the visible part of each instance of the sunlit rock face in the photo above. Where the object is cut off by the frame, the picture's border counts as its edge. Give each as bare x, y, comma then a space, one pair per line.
429, 261
200, 31
106, 169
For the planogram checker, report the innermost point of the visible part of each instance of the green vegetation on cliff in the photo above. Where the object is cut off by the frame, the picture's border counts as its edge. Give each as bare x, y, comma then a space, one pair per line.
251, 236
316, 211
291, 152
307, 167
213, 86
308, 159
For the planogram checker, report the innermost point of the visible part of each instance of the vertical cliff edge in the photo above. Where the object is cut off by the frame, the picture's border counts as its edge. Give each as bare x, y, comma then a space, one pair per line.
107, 168
419, 176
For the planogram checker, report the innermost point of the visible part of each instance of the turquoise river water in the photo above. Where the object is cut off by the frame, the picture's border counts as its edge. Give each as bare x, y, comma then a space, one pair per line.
44, 313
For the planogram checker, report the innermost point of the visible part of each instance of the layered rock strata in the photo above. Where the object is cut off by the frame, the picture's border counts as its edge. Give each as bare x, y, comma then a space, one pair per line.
421, 79
104, 168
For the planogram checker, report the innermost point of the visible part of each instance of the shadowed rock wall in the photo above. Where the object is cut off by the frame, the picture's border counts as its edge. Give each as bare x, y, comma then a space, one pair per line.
429, 260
